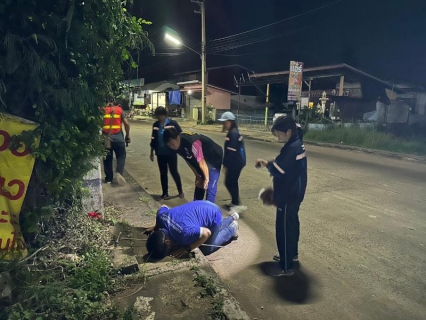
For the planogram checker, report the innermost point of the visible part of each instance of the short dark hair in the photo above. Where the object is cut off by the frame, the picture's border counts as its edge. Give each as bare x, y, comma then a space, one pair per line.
170, 134
283, 124
160, 111
156, 245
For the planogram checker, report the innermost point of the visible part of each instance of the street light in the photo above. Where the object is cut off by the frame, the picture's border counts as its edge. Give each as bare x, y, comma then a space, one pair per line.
203, 72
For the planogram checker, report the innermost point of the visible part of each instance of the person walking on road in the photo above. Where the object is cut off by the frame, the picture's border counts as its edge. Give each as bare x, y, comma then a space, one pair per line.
204, 157
166, 158
289, 172
115, 141
234, 159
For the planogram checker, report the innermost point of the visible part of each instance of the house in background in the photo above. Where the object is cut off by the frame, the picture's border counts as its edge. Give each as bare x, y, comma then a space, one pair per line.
218, 98
155, 94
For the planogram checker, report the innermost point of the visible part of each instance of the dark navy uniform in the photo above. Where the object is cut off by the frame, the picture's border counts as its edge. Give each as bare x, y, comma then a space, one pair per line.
289, 171
234, 160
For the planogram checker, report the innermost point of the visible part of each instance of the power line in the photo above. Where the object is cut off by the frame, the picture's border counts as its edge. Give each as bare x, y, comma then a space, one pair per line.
228, 38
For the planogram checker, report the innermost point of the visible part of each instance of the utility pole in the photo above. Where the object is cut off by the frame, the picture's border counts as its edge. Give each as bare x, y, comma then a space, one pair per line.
203, 58
267, 105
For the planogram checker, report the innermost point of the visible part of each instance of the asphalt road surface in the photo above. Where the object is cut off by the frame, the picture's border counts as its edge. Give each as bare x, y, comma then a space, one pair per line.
363, 234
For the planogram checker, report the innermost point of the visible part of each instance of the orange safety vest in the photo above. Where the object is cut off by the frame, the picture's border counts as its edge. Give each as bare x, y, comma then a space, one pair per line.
112, 120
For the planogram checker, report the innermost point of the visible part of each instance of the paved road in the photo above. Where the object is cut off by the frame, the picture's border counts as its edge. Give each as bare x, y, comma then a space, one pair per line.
363, 235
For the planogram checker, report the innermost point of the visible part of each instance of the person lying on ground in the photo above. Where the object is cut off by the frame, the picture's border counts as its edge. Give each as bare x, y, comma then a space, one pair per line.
181, 229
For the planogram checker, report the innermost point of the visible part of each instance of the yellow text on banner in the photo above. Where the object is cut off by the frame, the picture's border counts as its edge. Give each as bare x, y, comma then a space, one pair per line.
16, 167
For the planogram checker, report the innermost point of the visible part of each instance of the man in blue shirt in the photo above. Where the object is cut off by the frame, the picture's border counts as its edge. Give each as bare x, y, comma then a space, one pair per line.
180, 230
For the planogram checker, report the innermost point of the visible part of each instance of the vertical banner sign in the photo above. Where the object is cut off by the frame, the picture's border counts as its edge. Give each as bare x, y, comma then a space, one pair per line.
295, 79
16, 167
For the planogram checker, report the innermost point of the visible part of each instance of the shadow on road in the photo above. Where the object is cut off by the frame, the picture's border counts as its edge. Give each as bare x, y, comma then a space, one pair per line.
299, 288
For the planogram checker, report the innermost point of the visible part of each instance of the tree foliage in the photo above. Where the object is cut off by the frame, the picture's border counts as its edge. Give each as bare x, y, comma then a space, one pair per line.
59, 60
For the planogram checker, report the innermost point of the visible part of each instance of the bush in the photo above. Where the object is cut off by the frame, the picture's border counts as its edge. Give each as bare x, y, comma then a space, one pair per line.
60, 60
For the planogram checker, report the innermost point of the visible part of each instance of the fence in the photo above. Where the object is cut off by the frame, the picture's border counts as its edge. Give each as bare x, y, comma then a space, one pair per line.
254, 124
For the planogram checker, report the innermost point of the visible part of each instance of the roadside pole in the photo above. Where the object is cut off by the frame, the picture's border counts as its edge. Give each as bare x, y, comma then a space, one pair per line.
267, 105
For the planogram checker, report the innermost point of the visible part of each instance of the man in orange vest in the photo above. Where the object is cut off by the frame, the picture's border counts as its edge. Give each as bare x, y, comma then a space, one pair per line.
114, 118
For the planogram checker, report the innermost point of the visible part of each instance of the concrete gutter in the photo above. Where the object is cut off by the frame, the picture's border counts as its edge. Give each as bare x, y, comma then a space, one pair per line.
138, 209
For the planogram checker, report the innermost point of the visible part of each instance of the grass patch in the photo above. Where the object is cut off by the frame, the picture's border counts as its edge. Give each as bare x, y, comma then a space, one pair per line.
368, 138
70, 276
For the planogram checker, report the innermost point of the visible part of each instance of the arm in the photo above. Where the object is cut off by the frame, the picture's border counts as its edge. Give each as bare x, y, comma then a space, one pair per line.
282, 164
204, 235
153, 143
205, 169
127, 129
197, 150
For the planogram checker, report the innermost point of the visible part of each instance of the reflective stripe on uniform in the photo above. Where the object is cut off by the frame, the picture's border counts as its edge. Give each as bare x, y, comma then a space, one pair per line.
278, 167
116, 116
232, 149
112, 127
301, 156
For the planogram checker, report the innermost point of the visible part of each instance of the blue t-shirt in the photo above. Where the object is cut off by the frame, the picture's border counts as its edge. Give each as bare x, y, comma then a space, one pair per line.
183, 224
162, 149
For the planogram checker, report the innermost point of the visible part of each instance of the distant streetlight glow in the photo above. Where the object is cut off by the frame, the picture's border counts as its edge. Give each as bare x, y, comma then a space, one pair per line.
189, 91
173, 39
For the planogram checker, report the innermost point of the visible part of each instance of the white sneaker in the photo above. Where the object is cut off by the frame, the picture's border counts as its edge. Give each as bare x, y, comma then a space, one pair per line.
120, 179
239, 209
235, 216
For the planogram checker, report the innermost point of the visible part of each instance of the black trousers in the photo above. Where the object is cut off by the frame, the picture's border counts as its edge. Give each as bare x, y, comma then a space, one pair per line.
165, 163
287, 228
119, 148
231, 183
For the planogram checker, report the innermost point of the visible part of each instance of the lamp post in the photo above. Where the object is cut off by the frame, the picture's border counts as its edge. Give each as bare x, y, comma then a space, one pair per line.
203, 72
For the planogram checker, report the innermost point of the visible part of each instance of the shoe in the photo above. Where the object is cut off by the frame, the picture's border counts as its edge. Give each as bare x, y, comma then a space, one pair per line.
239, 209
277, 258
235, 216
235, 225
181, 195
276, 271
120, 179
230, 205
164, 197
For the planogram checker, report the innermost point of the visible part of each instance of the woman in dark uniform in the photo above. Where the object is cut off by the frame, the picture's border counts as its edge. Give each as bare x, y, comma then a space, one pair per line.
234, 159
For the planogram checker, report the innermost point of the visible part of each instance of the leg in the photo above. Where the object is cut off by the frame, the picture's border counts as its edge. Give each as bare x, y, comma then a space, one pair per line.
162, 166
231, 183
173, 167
287, 234
120, 153
109, 174
214, 174
221, 235
199, 193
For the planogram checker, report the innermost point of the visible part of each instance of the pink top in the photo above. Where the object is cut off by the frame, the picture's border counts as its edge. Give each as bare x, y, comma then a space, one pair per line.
197, 150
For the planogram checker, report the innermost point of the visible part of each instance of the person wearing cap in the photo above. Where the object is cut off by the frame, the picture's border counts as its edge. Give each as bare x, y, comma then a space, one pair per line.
289, 172
181, 229
203, 156
234, 159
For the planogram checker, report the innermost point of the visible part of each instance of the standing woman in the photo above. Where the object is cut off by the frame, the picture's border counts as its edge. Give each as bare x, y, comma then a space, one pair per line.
166, 158
234, 159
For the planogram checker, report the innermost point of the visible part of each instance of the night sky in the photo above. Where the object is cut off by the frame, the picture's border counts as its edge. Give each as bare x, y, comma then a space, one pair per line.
384, 37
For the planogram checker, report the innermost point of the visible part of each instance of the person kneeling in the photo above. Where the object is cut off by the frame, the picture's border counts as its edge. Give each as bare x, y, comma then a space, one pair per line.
180, 230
